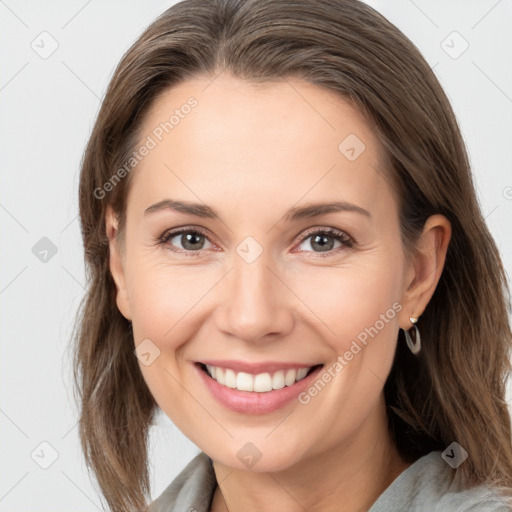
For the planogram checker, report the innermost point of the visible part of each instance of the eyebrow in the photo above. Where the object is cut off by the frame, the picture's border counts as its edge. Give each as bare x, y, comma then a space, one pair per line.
294, 213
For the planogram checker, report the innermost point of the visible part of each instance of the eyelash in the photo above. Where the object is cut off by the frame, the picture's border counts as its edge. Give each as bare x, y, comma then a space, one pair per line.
343, 238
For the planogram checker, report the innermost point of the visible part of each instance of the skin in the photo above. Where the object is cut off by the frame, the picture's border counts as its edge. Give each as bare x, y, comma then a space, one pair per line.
251, 153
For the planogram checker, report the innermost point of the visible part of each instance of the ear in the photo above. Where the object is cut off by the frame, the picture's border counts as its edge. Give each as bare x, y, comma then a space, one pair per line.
116, 263
425, 267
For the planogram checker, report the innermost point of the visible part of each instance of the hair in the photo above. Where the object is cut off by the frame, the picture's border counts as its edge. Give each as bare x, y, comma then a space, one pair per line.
455, 389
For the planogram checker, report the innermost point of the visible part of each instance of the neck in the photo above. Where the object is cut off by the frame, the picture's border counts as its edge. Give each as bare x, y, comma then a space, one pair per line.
353, 473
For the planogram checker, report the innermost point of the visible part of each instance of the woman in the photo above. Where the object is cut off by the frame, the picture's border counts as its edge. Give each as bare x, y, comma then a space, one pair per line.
287, 256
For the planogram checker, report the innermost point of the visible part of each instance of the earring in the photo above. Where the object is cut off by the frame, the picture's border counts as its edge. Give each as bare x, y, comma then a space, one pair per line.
414, 346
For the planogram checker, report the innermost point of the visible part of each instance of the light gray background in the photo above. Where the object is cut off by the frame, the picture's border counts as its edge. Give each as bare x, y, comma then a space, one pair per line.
48, 107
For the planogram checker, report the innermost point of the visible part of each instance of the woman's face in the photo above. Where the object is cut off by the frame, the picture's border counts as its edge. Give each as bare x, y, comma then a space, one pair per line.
254, 284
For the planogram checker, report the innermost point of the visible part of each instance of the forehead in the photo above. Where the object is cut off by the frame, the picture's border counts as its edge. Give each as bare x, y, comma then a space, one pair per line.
280, 140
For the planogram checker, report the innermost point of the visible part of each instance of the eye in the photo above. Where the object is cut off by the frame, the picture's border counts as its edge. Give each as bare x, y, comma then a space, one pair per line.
192, 241
323, 241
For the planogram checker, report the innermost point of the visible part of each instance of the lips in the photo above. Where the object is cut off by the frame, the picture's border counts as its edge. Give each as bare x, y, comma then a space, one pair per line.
263, 399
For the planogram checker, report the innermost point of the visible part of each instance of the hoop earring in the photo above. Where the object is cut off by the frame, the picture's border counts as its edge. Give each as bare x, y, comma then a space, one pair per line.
414, 345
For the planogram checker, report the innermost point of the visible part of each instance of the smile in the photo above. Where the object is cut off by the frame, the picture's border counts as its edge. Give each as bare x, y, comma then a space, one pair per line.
249, 389
260, 383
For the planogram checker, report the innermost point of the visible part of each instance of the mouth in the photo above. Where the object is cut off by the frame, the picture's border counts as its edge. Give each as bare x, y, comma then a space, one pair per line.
263, 382
256, 388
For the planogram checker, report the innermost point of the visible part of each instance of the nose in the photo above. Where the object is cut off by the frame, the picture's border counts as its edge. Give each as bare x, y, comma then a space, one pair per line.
256, 305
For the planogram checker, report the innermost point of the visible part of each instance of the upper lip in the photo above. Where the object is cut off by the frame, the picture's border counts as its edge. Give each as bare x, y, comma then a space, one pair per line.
256, 368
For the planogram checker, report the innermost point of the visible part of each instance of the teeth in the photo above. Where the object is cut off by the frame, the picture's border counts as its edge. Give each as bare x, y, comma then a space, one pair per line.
278, 380
219, 376
262, 382
244, 382
259, 383
289, 378
230, 378
211, 370
302, 373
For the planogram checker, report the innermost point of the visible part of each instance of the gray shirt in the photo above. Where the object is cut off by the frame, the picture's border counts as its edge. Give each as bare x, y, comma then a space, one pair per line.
428, 485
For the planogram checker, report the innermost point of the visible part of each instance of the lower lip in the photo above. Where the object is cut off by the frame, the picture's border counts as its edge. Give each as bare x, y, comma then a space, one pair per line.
252, 402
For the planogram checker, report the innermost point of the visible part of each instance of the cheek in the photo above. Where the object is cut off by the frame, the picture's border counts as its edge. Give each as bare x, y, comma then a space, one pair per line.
163, 301
353, 301
162, 295
167, 304
356, 308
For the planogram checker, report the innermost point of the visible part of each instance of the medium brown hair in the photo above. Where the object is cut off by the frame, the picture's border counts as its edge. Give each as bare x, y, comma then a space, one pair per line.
455, 389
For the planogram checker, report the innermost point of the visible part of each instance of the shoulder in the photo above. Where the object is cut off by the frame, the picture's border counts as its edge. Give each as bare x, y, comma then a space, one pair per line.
192, 489
478, 499
430, 484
